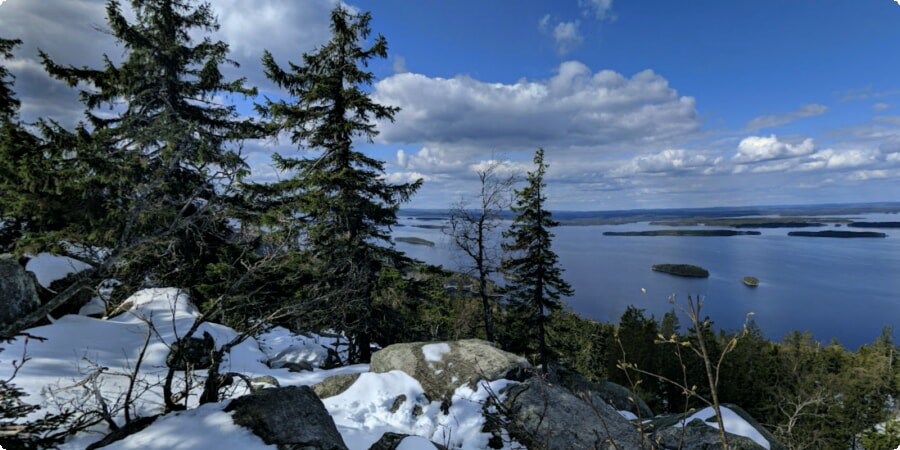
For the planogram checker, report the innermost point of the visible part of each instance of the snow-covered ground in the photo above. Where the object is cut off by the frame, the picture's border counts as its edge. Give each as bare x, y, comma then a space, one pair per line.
105, 352
734, 424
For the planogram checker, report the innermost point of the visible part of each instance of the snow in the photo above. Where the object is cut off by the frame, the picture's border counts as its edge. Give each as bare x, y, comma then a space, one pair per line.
628, 415
434, 353
282, 347
77, 346
49, 268
734, 424
362, 413
205, 427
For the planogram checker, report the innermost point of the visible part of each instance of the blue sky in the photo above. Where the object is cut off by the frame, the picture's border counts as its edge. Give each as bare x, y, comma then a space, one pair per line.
638, 104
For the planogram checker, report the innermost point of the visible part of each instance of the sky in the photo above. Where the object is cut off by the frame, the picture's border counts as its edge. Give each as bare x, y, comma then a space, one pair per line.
638, 104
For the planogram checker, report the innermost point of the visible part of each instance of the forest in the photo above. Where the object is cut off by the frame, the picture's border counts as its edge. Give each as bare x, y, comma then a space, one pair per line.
152, 190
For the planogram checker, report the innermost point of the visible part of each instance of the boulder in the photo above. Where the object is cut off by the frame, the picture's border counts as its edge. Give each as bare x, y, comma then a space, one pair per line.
192, 353
393, 441
701, 432
441, 367
620, 397
292, 418
335, 385
18, 295
542, 415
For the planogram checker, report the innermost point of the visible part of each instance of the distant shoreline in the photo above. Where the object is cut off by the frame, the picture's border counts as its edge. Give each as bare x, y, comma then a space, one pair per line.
697, 233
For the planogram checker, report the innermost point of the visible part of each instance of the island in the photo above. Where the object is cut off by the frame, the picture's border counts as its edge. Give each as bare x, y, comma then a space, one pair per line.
682, 270
682, 233
756, 222
414, 241
751, 281
875, 225
838, 234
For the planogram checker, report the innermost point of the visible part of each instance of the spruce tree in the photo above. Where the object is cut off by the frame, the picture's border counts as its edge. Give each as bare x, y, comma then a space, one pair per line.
162, 152
9, 104
533, 268
338, 203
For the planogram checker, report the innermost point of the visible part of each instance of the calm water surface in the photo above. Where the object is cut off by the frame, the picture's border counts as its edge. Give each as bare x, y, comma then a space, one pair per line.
847, 289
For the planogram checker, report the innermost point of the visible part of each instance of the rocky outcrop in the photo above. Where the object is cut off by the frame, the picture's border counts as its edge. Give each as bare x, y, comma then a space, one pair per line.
620, 397
701, 432
292, 418
18, 295
335, 385
393, 441
542, 415
441, 367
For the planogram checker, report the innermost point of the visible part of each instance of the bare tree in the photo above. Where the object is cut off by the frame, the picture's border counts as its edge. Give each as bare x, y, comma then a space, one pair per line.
473, 228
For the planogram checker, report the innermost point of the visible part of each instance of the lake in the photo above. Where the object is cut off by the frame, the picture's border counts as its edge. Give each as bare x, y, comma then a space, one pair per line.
847, 289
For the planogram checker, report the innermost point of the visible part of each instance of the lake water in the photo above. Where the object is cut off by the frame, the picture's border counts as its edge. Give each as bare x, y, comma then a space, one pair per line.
847, 289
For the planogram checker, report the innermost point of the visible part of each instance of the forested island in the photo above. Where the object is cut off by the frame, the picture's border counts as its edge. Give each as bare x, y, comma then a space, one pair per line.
682, 270
751, 281
874, 225
414, 241
755, 222
838, 234
682, 233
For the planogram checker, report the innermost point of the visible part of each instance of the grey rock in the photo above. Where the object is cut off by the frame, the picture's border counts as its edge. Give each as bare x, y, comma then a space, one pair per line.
699, 435
292, 418
192, 353
467, 361
620, 397
18, 295
135, 427
547, 416
335, 385
390, 441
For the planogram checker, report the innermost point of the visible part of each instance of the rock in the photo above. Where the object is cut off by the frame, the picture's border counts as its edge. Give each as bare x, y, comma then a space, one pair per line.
441, 367
292, 418
18, 295
302, 366
550, 417
700, 435
263, 382
620, 397
305, 354
392, 441
335, 385
192, 353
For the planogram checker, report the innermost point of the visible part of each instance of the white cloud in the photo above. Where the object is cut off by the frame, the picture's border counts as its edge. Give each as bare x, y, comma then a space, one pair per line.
775, 120
601, 9
566, 35
761, 148
666, 161
429, 160
844, 159
878, 107
865, 175
399, 64
405, 177
574, 108
893, 157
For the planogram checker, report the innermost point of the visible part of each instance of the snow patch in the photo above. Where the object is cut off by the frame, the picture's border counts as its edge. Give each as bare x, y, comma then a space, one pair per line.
49, 268
416, 443
628, 415
734, 424
434, 353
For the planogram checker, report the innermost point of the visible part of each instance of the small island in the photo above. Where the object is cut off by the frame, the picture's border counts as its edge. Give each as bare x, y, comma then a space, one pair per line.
682, 270
751, 281
875, 225
414, 241
838, 234
682, 233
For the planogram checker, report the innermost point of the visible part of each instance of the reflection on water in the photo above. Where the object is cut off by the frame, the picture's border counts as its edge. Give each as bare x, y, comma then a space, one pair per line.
847, 289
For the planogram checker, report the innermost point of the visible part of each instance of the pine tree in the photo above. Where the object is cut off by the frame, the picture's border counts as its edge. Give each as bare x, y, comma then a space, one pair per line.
162, 153
339, 202
536, 278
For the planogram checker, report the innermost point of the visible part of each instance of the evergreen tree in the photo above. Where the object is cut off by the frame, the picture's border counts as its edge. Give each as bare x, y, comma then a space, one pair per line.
338, 203
9, 104
536, 278
162, 156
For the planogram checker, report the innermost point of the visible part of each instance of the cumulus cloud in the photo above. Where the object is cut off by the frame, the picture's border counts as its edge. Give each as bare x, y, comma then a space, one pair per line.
832, 159
666, 161
574, 108
761, 148
775, 120
566, 35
